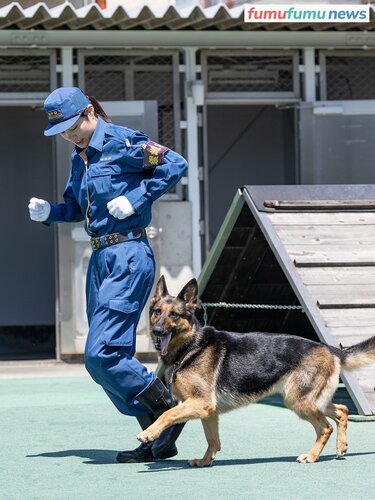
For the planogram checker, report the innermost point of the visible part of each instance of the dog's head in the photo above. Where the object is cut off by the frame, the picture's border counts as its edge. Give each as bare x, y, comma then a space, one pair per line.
172, 318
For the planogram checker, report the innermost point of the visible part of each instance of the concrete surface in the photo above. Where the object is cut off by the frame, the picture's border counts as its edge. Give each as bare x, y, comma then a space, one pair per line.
60, 436
45, 369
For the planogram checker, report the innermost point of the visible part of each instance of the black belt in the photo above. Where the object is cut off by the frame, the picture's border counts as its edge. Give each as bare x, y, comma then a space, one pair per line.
113, 238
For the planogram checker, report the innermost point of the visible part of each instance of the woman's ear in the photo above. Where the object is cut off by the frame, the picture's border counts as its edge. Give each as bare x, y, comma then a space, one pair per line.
90, 111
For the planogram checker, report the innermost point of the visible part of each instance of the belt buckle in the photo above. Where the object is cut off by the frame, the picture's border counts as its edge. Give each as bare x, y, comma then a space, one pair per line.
95, 243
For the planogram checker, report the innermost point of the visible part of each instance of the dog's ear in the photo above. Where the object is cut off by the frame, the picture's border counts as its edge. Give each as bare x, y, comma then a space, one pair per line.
161, 290
189, 294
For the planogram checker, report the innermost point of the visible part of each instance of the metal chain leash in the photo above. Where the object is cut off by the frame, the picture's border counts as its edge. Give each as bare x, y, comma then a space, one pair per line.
226, 305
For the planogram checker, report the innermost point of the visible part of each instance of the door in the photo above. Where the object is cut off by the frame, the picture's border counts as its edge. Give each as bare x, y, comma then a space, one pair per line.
247, 144
337, 142
27, 252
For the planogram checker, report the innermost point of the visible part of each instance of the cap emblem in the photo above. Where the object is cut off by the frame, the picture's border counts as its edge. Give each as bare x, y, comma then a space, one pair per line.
53, 115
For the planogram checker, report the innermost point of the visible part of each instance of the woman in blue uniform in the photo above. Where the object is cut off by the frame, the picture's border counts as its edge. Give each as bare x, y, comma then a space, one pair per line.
116, 175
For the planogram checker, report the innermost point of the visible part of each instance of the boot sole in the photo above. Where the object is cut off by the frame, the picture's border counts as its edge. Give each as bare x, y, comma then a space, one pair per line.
149, 458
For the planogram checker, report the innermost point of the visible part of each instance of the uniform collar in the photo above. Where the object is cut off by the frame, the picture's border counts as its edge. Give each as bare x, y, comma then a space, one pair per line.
97, 138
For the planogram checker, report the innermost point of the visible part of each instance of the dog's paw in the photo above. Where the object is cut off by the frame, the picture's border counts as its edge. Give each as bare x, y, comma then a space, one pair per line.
199, 462
146, 437
341, 451
307, 458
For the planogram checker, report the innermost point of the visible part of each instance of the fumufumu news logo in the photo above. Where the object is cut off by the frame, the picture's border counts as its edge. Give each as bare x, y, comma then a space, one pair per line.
312, 13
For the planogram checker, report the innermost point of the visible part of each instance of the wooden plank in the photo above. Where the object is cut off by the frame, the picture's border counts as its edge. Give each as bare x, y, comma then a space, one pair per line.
337, 262
361, 275
345, 294
330, 250
320, 204
355, 333
348, 303
366, 378
371, 399
348, 336
338, 318
341, 291
325, 255
353, 231
366, 381
322, 219
330, 235
367, 371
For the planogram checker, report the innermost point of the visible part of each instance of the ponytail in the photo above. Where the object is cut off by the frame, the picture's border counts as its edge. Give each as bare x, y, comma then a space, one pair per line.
98, 109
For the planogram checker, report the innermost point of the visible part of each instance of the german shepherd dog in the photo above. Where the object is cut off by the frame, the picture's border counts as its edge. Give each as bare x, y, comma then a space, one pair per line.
217, 371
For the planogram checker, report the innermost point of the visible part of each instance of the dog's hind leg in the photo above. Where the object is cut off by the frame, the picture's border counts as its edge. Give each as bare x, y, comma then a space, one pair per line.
211, 431
309, 390
339, 413
323, 431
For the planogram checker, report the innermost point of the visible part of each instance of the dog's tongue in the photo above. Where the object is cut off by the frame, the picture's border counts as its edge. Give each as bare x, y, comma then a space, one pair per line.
164, 344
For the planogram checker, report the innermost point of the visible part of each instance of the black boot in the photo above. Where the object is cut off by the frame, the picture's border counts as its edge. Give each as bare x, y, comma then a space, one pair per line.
143, 453
158, 399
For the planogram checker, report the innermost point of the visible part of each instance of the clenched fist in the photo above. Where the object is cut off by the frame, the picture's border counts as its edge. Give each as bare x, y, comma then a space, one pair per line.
120, 207
39, 209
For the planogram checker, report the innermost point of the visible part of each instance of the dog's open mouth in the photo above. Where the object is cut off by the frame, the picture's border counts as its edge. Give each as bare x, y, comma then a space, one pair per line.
157, 344
162, 342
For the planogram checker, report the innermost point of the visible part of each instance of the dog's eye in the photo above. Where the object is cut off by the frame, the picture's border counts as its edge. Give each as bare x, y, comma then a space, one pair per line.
174, 315
157, 312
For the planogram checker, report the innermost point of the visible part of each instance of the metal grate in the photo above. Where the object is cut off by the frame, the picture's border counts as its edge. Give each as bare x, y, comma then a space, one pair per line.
250, 73
135, 77
161, 89
349, 77
27, 73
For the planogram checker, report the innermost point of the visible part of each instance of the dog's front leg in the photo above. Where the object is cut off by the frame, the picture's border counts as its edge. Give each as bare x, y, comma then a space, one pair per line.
211, 431
189, 409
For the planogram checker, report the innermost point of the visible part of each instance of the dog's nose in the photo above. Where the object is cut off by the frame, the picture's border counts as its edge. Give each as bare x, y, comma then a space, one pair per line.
157, 329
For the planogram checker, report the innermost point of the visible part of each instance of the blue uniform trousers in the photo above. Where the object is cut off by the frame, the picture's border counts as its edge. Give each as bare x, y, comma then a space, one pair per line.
119, 281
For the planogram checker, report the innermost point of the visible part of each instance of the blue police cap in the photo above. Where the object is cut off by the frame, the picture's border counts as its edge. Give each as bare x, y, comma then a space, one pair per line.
63, 108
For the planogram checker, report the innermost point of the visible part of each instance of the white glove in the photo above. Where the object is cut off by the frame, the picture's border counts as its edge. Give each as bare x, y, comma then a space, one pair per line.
39, 209
120, 207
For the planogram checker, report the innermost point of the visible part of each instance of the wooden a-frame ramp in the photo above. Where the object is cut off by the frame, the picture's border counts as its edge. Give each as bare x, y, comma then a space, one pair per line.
312, 246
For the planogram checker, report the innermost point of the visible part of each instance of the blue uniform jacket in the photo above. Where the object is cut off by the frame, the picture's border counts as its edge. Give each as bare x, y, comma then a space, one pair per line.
115, 167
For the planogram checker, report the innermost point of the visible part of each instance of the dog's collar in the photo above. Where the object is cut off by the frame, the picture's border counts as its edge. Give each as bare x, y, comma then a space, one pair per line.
175, 367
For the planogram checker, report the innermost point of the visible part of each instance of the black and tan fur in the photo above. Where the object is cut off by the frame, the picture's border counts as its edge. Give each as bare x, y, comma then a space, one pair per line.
218, 371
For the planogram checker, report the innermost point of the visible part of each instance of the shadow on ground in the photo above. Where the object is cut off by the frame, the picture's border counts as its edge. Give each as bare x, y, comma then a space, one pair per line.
95, 457
100, 457
166, 465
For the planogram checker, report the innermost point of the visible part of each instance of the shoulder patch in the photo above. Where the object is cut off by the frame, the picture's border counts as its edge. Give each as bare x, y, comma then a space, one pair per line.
153, 155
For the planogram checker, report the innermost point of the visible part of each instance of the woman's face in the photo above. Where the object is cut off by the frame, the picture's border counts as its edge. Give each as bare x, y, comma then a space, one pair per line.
81, 132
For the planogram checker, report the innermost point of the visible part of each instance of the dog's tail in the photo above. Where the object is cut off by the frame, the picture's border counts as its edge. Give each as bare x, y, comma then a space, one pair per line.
358, 355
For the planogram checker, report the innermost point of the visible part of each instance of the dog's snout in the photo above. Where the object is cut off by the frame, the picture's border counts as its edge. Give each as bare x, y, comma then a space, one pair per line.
159, 326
